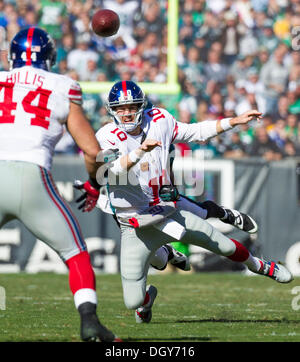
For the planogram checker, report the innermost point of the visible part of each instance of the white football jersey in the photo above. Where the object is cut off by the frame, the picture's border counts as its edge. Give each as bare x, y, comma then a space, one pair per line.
139, 189
34, 104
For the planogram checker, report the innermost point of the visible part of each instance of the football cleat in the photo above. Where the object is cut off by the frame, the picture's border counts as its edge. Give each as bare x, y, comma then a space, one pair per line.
178, 259
91, 330
275, 271
241, 221
144, 314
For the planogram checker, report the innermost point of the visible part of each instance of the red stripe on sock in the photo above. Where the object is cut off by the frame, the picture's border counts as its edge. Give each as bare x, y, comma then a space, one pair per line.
241, 254
81, 273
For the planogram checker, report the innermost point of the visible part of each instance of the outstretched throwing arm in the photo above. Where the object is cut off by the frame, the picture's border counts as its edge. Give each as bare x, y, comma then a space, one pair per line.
202, 131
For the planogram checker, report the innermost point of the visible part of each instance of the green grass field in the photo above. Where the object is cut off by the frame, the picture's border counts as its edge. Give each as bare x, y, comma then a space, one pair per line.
216, 307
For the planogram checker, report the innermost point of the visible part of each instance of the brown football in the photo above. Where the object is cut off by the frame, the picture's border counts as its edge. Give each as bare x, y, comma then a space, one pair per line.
105, 22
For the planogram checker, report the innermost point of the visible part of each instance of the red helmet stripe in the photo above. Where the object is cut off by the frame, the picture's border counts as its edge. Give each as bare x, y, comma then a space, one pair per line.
29, 43
124, 87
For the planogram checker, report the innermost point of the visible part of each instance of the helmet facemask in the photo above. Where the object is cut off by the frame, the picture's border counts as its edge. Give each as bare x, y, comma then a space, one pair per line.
126, 93
127, 126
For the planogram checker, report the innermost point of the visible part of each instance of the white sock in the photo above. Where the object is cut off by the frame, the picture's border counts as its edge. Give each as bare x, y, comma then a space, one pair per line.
253, 263
160, 258
85, 295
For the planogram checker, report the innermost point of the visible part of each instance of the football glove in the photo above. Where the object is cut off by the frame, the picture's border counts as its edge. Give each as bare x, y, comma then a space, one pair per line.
90, 195
169, 193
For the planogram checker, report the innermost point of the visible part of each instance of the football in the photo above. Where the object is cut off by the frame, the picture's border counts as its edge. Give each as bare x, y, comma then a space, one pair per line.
105, 22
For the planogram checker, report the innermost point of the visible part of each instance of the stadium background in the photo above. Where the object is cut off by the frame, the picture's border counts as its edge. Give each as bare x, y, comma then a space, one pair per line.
200, 60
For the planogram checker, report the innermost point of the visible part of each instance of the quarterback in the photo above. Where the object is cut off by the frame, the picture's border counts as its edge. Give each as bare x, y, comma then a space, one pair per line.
143, 137
35, 104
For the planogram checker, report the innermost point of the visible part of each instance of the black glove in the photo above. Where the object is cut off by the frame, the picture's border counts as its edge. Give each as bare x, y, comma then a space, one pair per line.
169, 193
90, 196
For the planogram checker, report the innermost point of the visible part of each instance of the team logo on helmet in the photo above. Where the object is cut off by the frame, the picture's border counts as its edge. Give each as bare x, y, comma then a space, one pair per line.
127, 97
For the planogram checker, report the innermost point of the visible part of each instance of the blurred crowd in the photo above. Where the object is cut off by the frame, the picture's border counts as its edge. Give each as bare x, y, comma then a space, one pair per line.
241, 55
233, 55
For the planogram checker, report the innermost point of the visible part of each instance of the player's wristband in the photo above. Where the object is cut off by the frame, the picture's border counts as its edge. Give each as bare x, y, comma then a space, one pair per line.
225, 124
133, 157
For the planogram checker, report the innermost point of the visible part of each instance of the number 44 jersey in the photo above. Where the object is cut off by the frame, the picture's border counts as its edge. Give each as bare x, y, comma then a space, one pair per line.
34, 104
